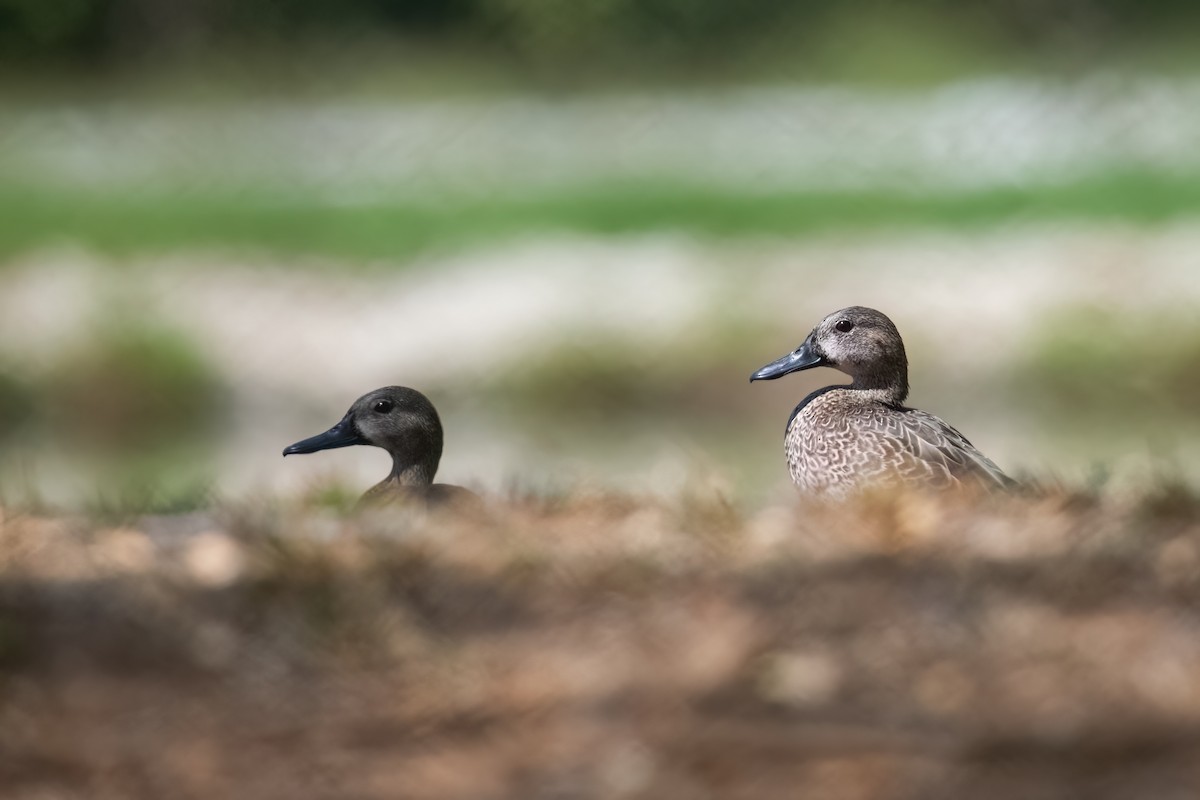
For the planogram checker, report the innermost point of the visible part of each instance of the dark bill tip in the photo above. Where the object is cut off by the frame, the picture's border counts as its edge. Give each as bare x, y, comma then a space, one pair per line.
343, 434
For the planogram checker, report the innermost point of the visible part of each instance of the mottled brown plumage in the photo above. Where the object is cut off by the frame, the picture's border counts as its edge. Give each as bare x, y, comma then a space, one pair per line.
843, 438
403, 422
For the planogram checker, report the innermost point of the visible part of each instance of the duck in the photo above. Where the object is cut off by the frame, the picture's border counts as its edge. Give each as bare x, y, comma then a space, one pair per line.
848, 437
403, 422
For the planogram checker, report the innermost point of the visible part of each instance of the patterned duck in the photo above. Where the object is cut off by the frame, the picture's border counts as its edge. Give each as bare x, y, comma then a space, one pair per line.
844, 438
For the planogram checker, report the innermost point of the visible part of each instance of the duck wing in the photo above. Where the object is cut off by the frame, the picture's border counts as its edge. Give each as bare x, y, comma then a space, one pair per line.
925, 448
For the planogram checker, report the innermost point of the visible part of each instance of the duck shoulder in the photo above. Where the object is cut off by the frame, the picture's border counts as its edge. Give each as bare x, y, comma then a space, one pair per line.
430, 496
444, 495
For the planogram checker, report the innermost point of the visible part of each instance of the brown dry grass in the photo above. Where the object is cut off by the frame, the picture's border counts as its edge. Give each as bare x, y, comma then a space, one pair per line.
901, 646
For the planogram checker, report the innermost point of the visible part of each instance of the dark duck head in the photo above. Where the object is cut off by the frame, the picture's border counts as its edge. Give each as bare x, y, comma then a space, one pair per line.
859, 341
403, 422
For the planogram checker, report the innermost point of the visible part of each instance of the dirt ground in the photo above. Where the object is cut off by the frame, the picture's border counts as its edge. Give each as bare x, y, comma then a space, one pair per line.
1042, 646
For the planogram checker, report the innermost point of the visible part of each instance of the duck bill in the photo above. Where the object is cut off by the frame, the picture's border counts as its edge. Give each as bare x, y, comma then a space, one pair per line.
343, 434
804, 357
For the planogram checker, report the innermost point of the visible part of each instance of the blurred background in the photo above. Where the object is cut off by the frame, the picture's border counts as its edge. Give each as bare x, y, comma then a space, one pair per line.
579, 227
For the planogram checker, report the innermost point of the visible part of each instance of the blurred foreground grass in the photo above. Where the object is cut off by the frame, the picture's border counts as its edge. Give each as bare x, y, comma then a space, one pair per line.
602, 645
125, 221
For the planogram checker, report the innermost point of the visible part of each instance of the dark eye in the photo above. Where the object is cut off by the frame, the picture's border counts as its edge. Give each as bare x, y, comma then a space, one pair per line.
844, 325
383, 406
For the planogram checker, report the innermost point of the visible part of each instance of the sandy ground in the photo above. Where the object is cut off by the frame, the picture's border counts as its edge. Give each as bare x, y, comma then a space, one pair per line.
899, 647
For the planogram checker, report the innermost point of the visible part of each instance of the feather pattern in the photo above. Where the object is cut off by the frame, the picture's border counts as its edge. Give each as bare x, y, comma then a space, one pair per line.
844, 440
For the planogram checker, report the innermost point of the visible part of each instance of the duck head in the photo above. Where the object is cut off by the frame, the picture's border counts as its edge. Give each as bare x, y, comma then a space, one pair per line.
859, 341
395, 418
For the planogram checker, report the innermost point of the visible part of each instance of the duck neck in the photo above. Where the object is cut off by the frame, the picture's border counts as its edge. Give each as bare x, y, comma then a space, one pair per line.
888, 385
407, 473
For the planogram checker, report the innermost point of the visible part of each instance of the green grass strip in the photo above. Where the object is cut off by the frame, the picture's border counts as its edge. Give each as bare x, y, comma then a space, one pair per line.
166, 219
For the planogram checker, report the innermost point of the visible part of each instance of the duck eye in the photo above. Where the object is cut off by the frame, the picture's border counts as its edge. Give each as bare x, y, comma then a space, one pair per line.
844, 325
383, 406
